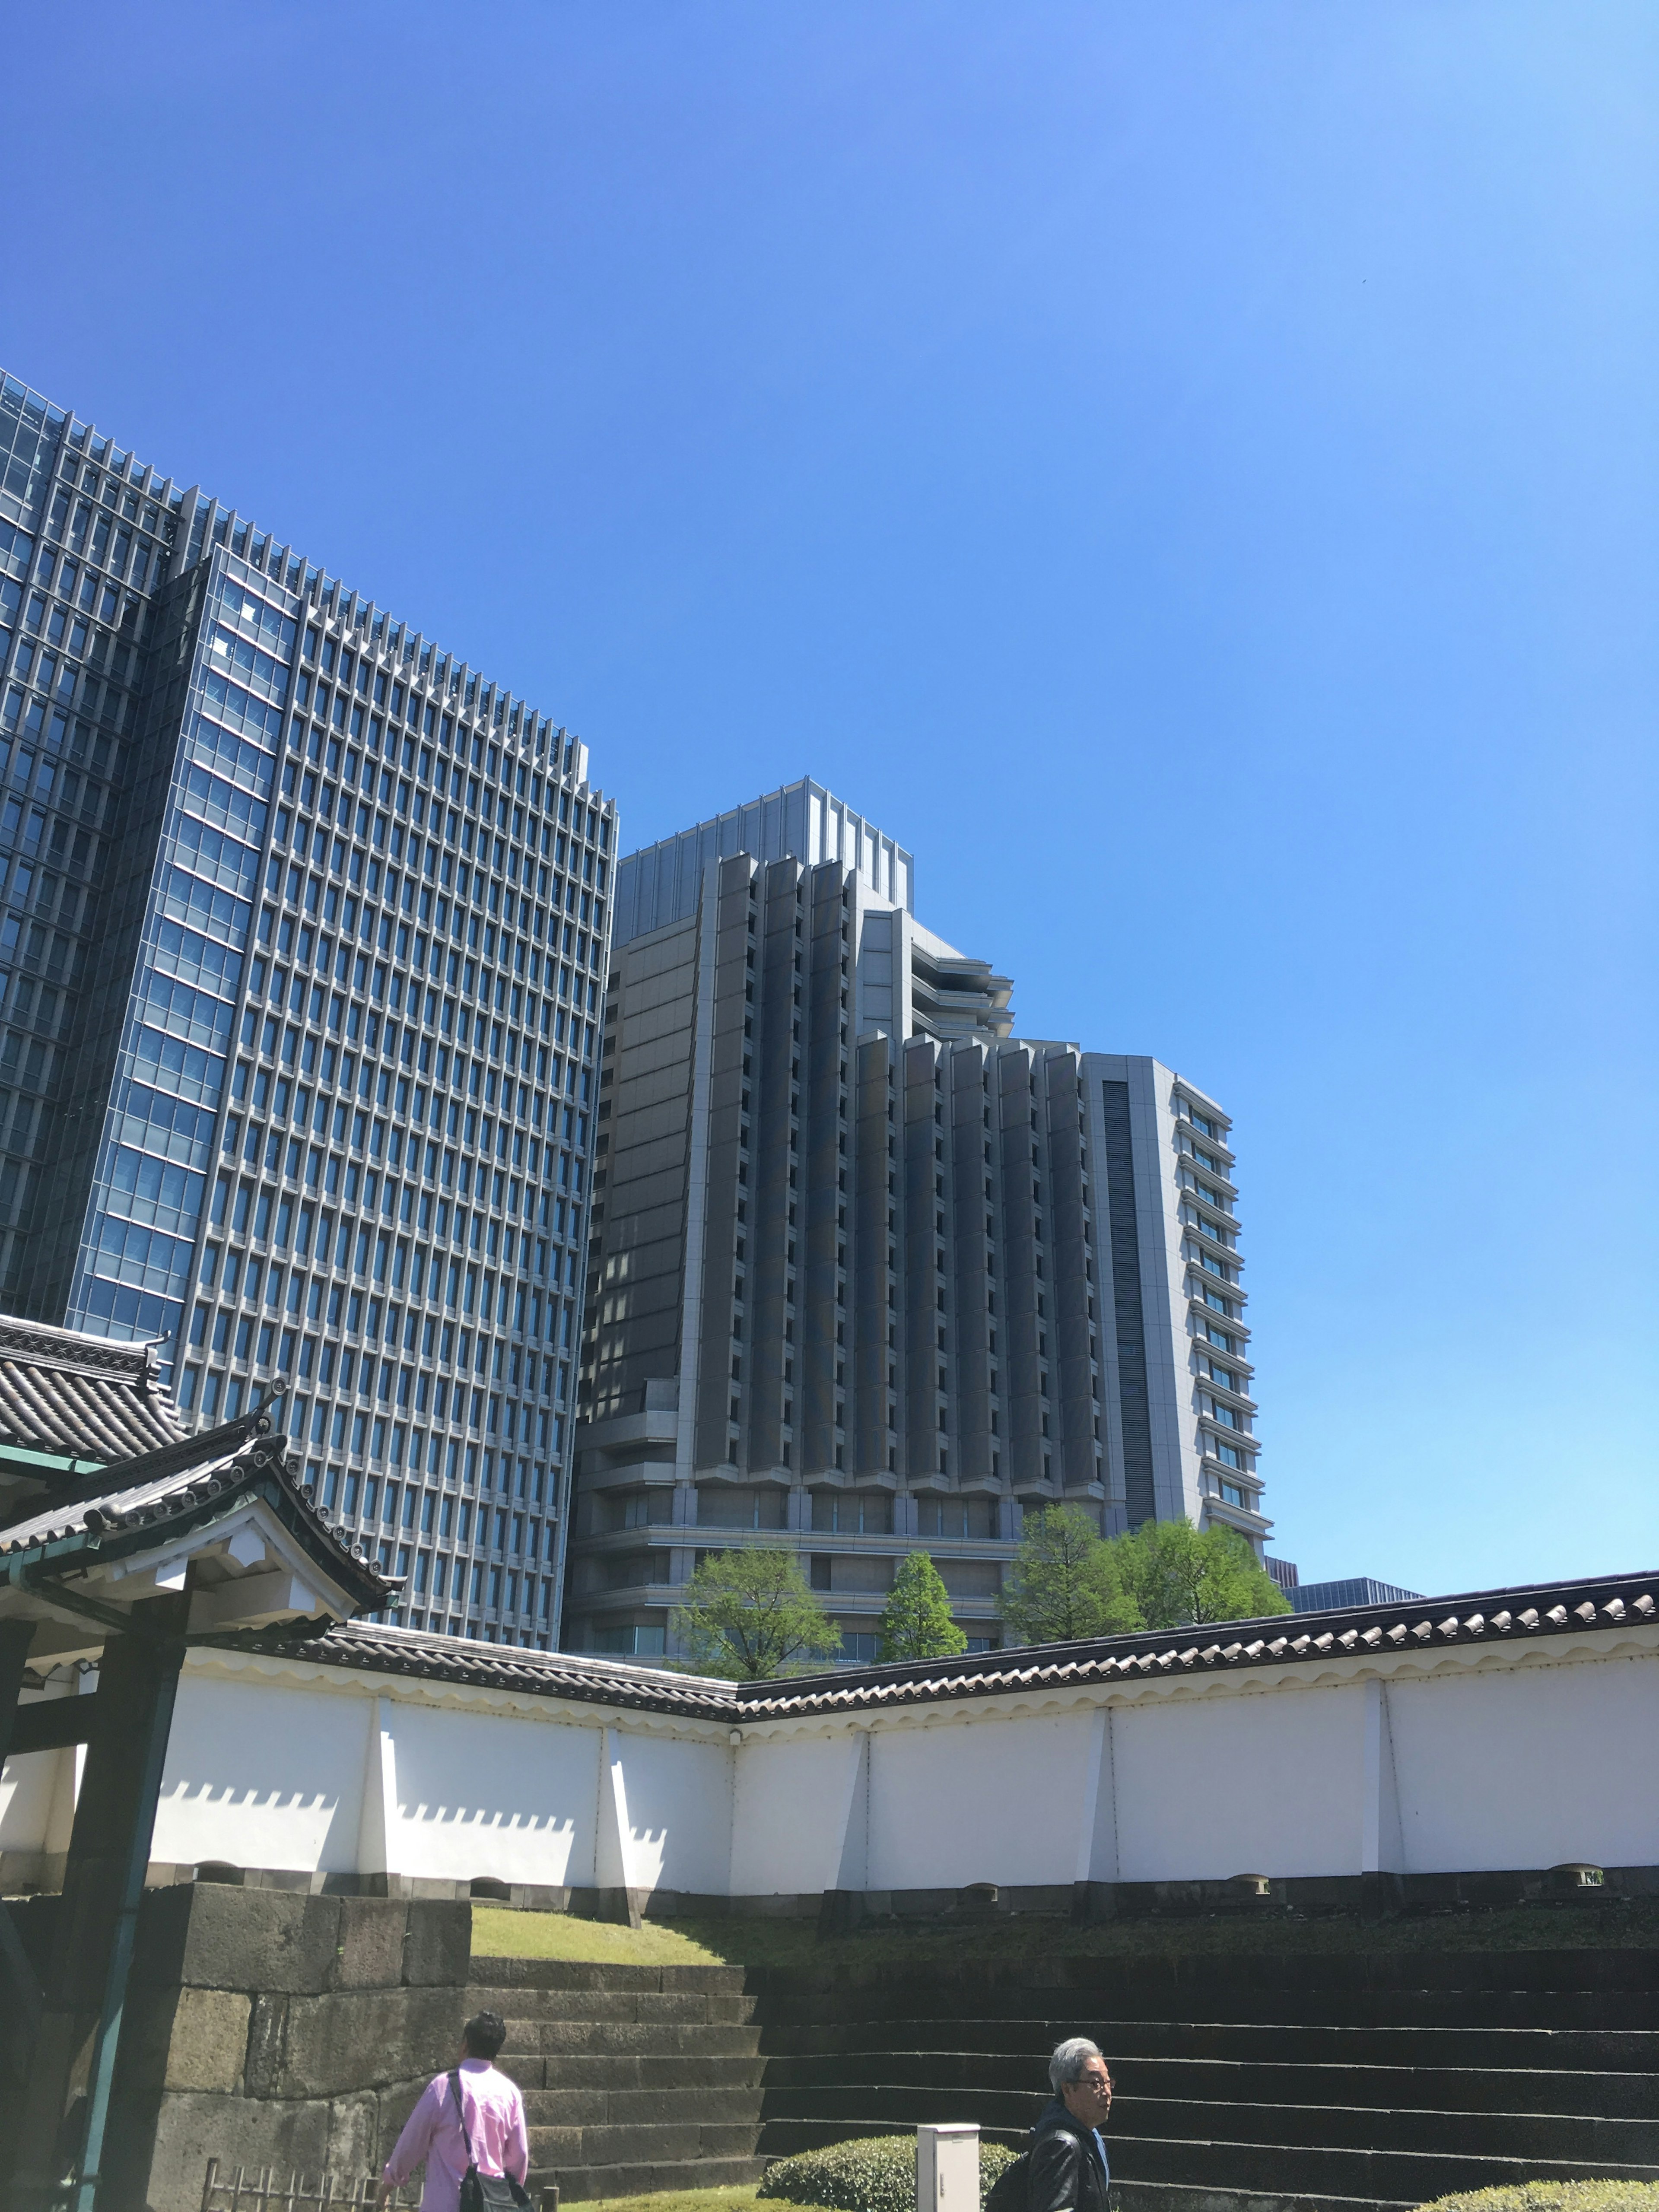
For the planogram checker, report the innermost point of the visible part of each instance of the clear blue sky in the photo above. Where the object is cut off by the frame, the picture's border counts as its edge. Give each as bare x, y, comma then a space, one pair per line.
1190, 470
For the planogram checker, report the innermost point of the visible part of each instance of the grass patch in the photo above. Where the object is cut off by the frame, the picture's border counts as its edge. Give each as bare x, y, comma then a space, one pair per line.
744, 1941
1556, 2196
499, 1933
680, 2200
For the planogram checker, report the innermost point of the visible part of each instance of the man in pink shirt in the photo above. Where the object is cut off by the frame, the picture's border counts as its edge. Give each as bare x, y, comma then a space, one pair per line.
493, 2113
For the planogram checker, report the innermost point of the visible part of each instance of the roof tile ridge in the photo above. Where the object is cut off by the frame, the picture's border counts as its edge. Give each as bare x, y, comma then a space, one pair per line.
222, 1443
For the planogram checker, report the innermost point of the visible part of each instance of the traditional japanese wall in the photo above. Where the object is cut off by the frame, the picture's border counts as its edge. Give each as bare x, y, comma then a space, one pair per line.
1459, 1761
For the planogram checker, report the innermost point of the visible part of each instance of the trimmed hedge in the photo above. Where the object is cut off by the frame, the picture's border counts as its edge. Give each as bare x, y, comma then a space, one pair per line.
1555, 2197
872, 2173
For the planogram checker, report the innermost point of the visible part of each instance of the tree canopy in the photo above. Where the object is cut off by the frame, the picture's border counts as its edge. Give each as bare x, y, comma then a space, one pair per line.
915, 1622
1067, 1581
1064, 1582
748, 1615
1181, 1576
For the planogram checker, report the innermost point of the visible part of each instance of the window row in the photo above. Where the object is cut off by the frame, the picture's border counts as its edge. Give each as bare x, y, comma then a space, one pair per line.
333, 664
452, 1461
378, 1257
271, 1095
443, 1515
230, 1334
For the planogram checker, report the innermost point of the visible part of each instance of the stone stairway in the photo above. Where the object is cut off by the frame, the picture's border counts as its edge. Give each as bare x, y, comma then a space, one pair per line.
635, 2078
1378, 2081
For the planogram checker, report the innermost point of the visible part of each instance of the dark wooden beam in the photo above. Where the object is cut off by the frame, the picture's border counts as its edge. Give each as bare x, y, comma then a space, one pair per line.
15, 1636
52, 1724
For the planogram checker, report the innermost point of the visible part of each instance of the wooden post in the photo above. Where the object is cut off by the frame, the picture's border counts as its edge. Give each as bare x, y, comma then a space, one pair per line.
67, 2109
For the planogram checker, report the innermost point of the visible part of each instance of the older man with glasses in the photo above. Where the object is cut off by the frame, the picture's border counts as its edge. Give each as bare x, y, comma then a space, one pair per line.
1068, 2171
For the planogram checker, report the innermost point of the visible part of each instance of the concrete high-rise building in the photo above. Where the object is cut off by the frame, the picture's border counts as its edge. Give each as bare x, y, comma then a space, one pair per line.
302, 928
867, 1272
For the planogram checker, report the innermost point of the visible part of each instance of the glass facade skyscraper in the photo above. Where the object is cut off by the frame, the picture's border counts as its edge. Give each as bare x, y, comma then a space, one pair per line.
303, 930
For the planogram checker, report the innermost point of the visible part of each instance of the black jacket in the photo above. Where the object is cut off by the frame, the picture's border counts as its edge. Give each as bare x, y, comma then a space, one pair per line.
1068, 2168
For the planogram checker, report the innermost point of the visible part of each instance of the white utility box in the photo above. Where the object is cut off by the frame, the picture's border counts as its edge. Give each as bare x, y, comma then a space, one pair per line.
947, 2167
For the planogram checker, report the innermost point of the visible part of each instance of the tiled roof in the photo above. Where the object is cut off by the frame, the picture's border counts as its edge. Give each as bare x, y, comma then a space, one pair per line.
382, 1651
1351, 1631
1536, 1612
137, 1504
89, 1397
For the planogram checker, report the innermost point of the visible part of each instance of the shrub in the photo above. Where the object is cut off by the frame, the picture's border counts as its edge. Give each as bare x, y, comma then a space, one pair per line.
875, 2173
1556, 2196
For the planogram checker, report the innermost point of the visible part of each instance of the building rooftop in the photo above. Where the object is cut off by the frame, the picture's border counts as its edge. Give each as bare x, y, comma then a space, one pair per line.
659, 884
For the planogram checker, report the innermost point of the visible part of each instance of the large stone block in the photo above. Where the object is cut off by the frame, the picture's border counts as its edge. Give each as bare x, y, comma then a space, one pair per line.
194, 2127
355, 2143
260, 1939
369, 1947
354, 2039
438, 1951
207, 2047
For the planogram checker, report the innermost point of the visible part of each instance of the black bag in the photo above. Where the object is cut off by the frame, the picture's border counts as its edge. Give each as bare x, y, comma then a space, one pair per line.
482, 2192
1007, 2192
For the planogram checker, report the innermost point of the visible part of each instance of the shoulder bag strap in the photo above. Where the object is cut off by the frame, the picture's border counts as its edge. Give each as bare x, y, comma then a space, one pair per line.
461, 2106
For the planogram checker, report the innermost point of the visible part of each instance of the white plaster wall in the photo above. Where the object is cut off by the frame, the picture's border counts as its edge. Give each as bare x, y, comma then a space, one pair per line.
25, 1794
1269, 1783
262, 1776
38, 1792
679, 1813
1516, 1760
792, 1799
1528, 1766
967, 1800
483, 1793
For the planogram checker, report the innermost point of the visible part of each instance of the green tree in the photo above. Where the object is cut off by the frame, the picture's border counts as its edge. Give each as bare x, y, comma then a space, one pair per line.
916, 1621
1181, 1576
1065, 1582
749, 1615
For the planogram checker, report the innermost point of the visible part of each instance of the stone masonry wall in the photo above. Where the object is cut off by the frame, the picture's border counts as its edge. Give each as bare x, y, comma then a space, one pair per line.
269, 2028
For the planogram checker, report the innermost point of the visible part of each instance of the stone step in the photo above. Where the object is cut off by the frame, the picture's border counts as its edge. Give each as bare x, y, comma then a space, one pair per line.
1418, 2177
517, 2003
606, 2071
1558, 2137
975, 1987
1175, 2196
1214, 2163
1026, 2043
561, 2106
1517, 2133
583, 2185
712, 1980
644, 2038
674, 2144
1052, 2008
1471, 2089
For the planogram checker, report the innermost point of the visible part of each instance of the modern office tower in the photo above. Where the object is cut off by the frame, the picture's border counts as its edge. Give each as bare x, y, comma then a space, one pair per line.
302, 928
1327, 1597
868, 1274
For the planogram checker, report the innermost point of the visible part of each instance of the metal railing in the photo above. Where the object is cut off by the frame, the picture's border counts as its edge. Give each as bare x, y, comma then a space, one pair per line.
260, 2190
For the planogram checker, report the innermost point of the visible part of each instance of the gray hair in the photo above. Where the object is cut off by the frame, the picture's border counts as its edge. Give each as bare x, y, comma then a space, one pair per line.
1069, 2060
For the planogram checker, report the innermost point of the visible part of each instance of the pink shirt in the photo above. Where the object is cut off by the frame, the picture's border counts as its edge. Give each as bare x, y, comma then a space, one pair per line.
494, 2119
